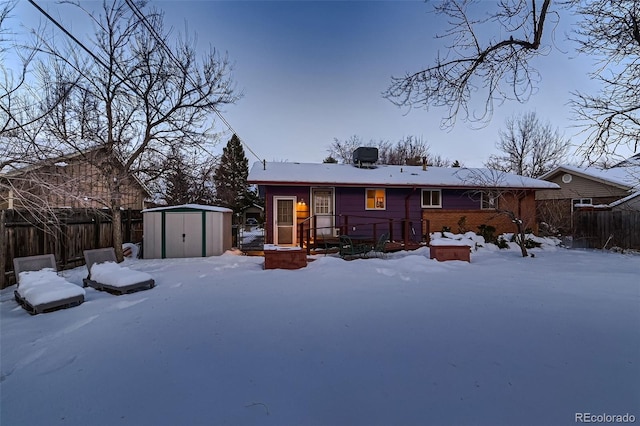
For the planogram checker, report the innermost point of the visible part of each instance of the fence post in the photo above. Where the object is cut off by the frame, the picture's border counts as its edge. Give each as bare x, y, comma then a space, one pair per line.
62, 243
127, 229
96, 230
4, 240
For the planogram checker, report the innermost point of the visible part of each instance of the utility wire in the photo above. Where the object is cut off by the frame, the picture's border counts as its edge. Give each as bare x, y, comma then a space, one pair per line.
64, 30
99, 61
160, 40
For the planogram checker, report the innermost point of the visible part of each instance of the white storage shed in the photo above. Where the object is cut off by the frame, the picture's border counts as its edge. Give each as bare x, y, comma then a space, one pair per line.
189, 230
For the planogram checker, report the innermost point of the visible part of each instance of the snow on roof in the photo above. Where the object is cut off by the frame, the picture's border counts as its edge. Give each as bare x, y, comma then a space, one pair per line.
625, 176
19, 156
625, 199
190, 206
388, 175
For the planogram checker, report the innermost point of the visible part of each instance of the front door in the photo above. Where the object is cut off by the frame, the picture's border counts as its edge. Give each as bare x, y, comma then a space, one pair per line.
322, 210
284, 218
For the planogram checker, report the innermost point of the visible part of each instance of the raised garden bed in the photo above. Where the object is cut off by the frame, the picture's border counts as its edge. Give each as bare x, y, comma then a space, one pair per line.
450, 252
284, 257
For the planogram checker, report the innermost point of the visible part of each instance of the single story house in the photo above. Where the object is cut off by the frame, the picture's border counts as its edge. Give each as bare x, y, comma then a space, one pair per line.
408, 202
615, 188
60, 179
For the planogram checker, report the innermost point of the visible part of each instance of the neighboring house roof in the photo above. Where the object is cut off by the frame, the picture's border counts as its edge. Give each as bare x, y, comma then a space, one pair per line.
624, 177
50, 153
191, 207
282, 173
18, 161
625, 199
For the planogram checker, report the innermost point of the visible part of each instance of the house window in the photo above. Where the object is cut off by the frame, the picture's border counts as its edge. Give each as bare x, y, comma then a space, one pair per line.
577, 201
376, 199
431, 198
488, 201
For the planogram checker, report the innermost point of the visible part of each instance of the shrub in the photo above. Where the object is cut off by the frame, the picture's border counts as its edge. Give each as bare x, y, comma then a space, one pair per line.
529, 243
462, 225
487, 231
502, 243
446, 229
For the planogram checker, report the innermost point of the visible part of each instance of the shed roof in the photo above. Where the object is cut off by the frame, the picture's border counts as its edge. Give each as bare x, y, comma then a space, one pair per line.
279, 173
190, 207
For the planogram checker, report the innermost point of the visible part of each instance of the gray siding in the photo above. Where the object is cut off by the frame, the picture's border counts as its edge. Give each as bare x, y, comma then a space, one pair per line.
580, 187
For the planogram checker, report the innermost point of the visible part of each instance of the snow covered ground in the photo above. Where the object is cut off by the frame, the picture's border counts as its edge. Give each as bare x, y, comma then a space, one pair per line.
404, 340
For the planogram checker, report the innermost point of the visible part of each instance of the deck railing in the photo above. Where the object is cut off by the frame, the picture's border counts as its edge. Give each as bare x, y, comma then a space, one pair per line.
310, 235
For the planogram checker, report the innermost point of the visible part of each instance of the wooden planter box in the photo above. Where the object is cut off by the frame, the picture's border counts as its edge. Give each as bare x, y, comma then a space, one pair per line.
285, 258
442, 253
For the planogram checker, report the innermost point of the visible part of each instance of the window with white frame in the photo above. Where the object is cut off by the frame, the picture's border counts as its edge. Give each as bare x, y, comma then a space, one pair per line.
489, 200
376, 199
431, 198
579, 202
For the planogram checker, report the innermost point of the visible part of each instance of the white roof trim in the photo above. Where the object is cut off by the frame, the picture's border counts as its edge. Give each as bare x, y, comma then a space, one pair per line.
190, 206
625, 199
331, 174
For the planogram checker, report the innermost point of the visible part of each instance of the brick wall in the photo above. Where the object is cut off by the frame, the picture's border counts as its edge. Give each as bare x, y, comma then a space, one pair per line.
474, 218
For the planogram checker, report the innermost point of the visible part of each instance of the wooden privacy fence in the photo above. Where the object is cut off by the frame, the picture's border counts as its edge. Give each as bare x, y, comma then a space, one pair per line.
597, 229
72, 232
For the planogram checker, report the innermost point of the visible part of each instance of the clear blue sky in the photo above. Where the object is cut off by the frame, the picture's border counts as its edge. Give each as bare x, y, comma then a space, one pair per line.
314, 71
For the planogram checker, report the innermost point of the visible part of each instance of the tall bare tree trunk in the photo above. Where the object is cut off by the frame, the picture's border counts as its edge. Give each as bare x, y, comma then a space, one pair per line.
3, 249
116, 226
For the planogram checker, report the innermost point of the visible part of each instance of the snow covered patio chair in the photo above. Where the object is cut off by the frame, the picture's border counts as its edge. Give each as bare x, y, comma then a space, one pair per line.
106, 275
40, 288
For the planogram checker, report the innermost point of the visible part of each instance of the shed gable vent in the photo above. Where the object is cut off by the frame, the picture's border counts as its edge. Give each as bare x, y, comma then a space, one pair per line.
365, 157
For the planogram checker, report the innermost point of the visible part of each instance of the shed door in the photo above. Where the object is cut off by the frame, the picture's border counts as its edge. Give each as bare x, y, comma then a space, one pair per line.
183, 233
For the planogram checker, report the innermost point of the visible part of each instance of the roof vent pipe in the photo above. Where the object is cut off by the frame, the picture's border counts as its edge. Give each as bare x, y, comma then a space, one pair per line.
424, 164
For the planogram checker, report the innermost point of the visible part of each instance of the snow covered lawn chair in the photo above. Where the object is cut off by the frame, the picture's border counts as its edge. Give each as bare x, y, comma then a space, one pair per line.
106, 275
40, 288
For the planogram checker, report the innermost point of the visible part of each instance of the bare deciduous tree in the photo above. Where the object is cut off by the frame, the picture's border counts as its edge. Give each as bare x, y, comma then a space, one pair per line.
342, 151
409, 150
530, 147
499, 67
505, 197
610, 32
133, 96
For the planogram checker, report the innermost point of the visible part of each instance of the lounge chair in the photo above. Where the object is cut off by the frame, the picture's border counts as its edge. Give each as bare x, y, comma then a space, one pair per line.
106, 275
40, 288
348, 249
381, 245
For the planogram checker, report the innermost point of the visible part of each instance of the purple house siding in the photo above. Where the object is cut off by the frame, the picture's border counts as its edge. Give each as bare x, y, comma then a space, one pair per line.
351, 206
300, 192
351, 212
459, 199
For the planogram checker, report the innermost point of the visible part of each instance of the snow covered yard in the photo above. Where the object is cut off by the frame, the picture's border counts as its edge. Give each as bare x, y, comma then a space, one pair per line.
399, 341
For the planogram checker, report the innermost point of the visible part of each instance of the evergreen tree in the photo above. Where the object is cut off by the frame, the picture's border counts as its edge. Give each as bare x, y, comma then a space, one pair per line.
189, 179
178, 188
230, 178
